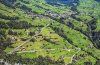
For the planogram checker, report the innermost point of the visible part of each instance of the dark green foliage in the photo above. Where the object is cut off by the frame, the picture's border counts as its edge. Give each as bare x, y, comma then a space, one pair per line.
3, 25
19, 25
8, 17
35, 61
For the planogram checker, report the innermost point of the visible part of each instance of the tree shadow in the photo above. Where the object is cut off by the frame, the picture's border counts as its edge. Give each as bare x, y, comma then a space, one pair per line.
61, 2
58, 2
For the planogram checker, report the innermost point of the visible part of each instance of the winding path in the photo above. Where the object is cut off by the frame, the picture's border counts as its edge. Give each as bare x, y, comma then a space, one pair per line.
45, 50
79, 49
15, 49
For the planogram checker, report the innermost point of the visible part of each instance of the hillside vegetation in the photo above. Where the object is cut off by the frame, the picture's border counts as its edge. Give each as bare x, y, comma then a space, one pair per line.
43, 32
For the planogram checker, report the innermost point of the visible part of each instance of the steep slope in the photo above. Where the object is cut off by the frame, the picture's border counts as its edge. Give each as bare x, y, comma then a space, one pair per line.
55, 31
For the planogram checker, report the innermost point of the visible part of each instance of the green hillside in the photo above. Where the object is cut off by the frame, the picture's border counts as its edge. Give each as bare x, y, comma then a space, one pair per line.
35, 32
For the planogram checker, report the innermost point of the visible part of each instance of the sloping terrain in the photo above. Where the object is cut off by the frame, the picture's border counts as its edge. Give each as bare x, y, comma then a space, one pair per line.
47, 32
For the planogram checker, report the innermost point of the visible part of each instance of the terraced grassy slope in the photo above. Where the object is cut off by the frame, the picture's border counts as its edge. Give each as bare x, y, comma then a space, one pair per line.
41, 33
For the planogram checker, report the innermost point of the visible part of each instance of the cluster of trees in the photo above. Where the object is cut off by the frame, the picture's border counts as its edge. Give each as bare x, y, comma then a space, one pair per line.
48, 40
25, 8
3, 33
60, 32
3, 25
92, 33
26, 2
35, 61
38, 61
70, 24
96, 38
11, 32
8, 3
15, 25
4, 41
8, 17
19, 25
92, 24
